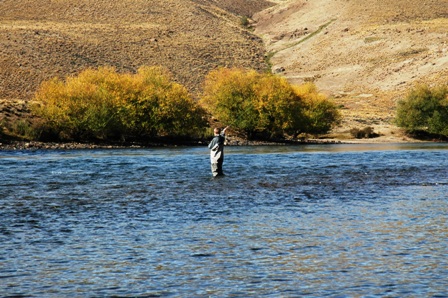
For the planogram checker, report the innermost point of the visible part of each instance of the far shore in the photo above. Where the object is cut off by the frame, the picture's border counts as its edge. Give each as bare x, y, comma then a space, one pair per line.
37, 145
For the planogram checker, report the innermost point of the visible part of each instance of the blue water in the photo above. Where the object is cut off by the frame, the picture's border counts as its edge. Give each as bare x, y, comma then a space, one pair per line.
313, 220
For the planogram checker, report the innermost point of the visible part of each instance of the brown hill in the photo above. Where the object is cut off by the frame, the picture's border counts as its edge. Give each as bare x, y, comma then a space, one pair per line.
367, 54
41, 39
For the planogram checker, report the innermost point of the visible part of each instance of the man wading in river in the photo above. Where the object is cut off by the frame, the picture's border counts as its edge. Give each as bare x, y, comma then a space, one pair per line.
216, 147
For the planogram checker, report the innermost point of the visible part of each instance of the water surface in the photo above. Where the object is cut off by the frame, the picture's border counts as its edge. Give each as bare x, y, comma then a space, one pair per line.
314, 220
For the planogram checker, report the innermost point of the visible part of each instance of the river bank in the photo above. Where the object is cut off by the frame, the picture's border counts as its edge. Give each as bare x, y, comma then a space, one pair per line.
36, 145
385, 132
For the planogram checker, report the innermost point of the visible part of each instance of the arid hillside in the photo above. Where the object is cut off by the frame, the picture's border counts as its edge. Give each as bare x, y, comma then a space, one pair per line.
41, 39
366, 54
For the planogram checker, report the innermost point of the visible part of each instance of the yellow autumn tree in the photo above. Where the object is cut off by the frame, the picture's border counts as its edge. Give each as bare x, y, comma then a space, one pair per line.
265, 104
103, 104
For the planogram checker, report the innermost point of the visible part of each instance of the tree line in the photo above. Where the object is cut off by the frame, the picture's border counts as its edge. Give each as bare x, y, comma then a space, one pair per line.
101, 104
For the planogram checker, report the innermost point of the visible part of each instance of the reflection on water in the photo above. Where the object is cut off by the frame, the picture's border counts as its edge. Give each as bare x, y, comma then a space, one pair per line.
336, 220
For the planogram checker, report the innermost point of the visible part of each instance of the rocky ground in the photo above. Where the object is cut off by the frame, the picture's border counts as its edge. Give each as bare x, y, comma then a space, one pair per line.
364, 54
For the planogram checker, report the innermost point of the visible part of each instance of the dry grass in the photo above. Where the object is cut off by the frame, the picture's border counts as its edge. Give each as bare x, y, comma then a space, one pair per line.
44, 39
368, 57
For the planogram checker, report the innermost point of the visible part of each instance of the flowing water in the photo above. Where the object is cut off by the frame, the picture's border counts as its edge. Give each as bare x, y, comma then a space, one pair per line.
312, 220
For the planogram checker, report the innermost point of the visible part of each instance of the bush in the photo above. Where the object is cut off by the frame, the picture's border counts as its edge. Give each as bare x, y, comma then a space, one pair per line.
265, 104
252, 102
366, 132
102, 104
19, 129
424, 109
281, 109
244, 21
24, 129
321, 114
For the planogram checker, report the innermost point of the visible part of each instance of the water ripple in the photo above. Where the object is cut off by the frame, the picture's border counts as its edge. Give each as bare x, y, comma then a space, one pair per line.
285, 221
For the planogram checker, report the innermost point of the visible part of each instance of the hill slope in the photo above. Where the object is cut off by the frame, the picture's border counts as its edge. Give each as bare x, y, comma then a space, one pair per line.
41, 39
367, 54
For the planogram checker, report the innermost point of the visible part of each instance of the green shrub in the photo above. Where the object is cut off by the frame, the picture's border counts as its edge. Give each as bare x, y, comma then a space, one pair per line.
244, 21
321, 114
24, 129
265, 104
424, 109
103, 104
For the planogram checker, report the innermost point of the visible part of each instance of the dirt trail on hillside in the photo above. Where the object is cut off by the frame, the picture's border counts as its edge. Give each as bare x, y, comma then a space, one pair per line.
365, 54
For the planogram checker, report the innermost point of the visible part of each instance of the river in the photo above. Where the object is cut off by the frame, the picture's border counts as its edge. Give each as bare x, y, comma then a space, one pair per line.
286, 221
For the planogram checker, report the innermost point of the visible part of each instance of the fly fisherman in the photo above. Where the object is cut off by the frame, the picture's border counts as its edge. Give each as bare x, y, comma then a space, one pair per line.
216, 147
